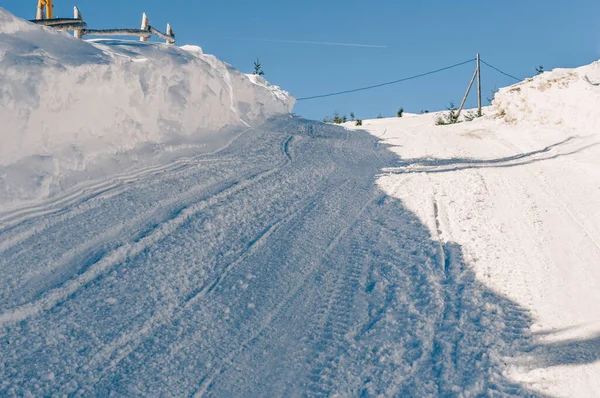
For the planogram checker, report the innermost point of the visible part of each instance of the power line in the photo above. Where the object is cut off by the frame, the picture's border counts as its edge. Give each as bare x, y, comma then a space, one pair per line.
498, 70
387, 83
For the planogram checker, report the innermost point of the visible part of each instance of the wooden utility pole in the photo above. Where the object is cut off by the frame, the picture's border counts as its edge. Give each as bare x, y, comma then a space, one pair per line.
462, 104
478, 85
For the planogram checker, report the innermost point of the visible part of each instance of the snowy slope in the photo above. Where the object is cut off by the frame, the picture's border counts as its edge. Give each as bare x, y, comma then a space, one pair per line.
519, 191
64, 102
274, 266
291, 258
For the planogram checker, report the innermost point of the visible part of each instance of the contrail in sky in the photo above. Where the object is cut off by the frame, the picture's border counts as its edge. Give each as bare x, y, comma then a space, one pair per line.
322, 43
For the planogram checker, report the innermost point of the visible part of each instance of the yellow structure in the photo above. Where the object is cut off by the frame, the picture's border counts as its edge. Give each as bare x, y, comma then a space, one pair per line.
49, 14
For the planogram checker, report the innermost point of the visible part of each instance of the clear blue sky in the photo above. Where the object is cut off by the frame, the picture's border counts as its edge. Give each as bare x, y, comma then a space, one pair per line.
514, 35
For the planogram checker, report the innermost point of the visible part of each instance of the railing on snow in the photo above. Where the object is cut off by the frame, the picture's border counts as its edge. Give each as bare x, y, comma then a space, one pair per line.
79, 28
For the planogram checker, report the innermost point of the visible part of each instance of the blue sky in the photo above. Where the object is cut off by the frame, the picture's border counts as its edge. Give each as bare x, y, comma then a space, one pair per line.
416, 36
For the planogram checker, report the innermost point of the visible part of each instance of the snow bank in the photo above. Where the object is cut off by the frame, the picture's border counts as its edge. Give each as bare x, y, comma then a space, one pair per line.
65, 102
566, 97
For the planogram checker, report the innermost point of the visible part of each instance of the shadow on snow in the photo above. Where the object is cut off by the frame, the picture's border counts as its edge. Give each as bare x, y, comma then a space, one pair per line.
428, 165
305, 279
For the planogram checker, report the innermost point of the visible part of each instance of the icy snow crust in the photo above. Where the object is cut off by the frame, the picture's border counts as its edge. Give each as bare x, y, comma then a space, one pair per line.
64, 103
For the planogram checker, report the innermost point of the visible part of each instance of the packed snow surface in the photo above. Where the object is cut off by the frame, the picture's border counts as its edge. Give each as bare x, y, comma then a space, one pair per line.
65, 103
295, 258
273, 266
519, 193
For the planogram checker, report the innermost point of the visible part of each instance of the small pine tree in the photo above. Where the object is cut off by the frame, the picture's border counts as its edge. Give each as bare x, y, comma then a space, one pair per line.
344, 119
358, 122
380, 116
494, 91
539, 70
352, 116
258, 68
400, 112
450, 117
336, 118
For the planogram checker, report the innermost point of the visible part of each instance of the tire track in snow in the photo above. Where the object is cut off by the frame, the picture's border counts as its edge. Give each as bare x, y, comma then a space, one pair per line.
101, 189
255, 245
286, 147
442, 260
334, 322
228, 360
209, 379
460, 295
229, 356
128, 342
80, 257
55, 296
82, 202
333, 319
549, 192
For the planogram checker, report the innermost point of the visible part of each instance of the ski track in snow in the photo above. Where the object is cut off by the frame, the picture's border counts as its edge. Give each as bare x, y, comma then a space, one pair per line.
273, 267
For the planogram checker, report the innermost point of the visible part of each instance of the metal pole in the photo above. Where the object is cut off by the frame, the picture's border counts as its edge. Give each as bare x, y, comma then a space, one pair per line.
478, 85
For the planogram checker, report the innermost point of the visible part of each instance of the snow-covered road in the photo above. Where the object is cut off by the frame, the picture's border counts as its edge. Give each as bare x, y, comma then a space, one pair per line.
523, 203
274, 266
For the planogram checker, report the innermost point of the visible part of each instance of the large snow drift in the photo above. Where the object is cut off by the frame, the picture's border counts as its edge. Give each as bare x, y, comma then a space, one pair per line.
562, 97
64, 102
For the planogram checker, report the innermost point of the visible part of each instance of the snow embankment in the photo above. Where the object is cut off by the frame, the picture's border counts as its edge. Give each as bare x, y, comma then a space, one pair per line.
65, 102
562, 97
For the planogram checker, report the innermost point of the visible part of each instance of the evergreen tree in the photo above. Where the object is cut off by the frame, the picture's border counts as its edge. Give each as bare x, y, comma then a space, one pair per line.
450, 117
540, 69
258, 68
336, 118
400, 112
494, 91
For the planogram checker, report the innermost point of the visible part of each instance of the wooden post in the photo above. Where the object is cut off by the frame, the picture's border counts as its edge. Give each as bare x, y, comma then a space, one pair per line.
49, 9
170, 33
145, 26
478, 85
77, 33
462, 104
47, 4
